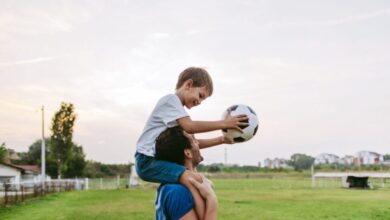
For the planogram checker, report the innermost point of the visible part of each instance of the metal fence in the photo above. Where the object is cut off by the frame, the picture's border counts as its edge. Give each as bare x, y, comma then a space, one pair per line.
11, 193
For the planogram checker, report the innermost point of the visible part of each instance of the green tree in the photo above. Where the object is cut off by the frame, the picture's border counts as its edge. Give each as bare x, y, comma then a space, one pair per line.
33, 155
61, 139
301, 161
3, 152
76, 163
386, 157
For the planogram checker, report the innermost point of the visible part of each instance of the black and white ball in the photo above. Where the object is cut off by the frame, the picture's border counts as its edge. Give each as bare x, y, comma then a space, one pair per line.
248, 130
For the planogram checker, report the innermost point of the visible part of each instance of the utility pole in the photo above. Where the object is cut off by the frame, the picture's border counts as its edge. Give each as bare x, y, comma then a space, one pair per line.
225, 155
43, 149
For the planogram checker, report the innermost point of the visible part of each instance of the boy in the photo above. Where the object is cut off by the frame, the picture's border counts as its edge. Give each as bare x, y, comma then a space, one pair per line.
194, 86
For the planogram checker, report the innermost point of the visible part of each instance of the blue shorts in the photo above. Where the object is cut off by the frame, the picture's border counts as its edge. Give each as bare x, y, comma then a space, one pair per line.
158, 171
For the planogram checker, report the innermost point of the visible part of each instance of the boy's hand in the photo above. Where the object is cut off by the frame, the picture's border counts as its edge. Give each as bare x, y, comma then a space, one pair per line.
234, 122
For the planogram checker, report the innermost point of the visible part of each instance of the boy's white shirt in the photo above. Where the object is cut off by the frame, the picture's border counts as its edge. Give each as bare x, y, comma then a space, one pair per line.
167, 110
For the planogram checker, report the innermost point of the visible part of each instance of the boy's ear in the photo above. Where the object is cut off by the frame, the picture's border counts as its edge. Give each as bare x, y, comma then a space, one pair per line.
188, 83
188, 153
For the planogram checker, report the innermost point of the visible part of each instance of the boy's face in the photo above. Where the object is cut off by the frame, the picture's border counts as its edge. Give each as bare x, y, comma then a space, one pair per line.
194, 96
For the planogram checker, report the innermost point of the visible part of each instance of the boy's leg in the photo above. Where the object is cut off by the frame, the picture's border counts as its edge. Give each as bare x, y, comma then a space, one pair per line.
157, 171
199, 202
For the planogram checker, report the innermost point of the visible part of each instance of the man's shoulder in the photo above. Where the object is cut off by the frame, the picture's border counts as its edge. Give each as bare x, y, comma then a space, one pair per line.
175, 192
173, 201
173, 187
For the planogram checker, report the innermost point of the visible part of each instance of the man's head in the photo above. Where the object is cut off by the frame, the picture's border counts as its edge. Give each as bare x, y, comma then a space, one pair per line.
177, 146
193, 86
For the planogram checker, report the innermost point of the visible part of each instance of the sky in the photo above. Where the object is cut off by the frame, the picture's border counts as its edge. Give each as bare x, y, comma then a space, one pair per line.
316, 72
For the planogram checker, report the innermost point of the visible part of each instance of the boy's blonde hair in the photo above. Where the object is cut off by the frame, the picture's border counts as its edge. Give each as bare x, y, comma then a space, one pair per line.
199, 76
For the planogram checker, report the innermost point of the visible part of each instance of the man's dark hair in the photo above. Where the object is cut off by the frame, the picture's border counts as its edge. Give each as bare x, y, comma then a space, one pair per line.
170, 145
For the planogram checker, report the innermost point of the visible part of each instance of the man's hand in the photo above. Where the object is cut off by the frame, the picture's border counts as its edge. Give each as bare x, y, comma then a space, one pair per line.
205, 188
225, 140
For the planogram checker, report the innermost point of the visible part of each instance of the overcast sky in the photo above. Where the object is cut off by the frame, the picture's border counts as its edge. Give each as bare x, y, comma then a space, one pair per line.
316, 72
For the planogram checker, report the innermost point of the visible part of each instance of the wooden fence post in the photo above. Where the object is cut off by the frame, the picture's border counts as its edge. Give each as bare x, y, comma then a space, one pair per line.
22, 188
5, 195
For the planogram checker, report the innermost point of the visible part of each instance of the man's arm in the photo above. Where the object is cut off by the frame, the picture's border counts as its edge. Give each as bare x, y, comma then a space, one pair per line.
206, 190
199, 206
205, 143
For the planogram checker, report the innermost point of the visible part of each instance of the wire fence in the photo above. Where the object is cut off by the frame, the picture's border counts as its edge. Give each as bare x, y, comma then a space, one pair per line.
11, 193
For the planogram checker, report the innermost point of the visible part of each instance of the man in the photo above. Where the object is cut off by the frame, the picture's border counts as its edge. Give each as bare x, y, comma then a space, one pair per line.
174, 201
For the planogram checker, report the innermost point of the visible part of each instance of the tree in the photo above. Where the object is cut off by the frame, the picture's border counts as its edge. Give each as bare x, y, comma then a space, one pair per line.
76, 163
386, 157
301, 161
33, 155
3, 152
61, 139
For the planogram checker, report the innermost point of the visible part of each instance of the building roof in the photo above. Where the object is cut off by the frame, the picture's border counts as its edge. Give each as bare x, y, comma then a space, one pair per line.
31, 168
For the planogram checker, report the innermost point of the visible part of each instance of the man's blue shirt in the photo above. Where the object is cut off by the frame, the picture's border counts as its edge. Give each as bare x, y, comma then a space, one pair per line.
173, 201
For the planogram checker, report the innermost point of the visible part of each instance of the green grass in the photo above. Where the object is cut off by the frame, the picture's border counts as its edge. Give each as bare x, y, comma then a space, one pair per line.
280, 198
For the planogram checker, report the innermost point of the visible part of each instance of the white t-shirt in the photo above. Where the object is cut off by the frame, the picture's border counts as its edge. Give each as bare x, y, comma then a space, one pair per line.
168, 109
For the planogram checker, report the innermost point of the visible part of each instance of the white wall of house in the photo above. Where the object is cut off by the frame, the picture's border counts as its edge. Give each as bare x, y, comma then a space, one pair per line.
326, 158
10, 173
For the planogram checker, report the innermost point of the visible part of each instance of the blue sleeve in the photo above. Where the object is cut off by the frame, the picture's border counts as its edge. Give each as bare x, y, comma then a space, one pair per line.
179, 201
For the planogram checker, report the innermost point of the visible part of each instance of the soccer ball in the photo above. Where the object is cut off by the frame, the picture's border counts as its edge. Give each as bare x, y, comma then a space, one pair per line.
248, 130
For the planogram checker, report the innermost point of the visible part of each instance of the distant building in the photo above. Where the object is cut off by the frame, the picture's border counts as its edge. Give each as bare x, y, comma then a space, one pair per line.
386, 163
367, 158
326, 158
276, 163
347, 160
268, 163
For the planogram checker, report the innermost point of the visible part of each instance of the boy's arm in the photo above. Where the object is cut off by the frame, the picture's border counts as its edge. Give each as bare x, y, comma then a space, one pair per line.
192, 127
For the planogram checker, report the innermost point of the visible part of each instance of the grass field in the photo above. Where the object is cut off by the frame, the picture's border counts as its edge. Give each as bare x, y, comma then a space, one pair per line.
281, 198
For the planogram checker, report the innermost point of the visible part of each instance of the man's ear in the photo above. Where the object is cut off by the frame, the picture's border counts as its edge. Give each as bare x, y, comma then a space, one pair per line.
188, 153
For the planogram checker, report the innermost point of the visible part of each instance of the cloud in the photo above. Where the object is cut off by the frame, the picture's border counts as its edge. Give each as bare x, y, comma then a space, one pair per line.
15, 105
28, 61
331, 22
159, 36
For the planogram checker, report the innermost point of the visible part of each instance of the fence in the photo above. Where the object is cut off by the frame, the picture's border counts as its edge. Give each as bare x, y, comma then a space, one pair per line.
11, 193
375, 180
106, 183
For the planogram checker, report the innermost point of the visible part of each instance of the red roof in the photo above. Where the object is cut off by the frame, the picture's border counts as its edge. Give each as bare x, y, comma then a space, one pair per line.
32, 168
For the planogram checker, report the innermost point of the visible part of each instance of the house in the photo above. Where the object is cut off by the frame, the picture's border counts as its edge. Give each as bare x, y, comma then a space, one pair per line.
326, 158
279, 163
347, 160
16, 173
386, 163
367, 158
268, 163
276, 163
